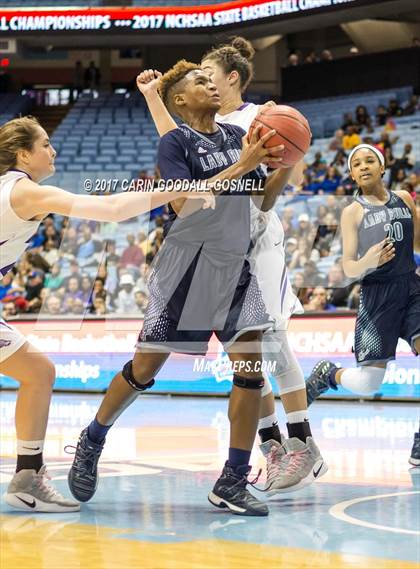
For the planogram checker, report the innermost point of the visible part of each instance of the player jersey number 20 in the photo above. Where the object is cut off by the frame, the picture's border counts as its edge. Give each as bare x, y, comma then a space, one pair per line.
394, 231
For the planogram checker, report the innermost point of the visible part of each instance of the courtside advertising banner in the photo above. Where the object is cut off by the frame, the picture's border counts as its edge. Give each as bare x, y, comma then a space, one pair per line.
87, 355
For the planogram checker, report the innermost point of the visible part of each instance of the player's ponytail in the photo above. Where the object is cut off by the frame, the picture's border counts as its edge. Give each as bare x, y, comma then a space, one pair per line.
235, 56
15, 135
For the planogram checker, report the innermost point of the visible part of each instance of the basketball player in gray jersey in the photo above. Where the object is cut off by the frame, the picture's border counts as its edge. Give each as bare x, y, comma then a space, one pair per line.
380, 230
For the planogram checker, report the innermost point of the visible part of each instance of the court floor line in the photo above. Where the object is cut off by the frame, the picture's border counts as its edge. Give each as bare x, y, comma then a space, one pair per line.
338, 511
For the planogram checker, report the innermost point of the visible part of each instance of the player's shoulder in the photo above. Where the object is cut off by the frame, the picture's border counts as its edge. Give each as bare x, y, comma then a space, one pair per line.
405, 197
354, 211
232, 129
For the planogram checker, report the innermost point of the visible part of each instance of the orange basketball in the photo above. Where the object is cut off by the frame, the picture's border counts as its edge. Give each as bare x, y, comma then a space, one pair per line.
292, 130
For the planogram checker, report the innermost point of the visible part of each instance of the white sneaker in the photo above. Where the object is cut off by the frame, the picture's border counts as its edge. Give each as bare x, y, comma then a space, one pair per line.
274, 452
29, 491
301, 465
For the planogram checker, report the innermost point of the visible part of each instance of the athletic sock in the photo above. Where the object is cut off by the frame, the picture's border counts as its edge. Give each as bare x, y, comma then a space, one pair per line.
29, 455
298, 425
268, 429
238, 457
97, 432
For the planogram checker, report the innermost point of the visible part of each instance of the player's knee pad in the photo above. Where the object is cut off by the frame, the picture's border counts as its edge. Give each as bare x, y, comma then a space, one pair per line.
127, 373
285, 367
267, 389
365, 380
248, 382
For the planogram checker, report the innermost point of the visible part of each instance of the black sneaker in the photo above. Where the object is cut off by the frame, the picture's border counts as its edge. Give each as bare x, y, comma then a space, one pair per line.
230, 492
415, 451
320, 380
83, 475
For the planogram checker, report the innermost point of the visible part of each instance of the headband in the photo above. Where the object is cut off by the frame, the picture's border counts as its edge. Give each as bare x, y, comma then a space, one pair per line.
369, 147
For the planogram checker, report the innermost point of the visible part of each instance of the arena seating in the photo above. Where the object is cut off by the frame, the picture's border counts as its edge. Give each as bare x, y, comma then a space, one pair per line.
326, 115
12, 105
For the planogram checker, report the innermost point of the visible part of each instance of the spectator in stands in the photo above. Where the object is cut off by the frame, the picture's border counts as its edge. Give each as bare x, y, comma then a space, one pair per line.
51, 234
385, 142
69, 244
312, 276
348, 121
37, 261
408, 158
132, 255
86, 290
351, 139
142, 242
6, 285
340, 191
78, 306
74, 272
99, 290
412, 106
9, 310
112, 257
321, 212
54, 280
394, 109
414, 180
140, 302
293, 60
52, 305
312, 58
50, 252
92, 77
331, 180
71, 293
399, 180
353, 300
318, 301
33, 290
340, 159
362, 119
338, 287
78, 79
304, 225
289, 249
381, 115
99, 306
141, 283
86, 245
326, 55
336, 143
126, 299
318, 161
301, 255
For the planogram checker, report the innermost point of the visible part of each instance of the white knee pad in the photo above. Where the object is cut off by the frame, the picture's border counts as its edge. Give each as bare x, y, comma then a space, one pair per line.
365, 380
267, 385
283, 364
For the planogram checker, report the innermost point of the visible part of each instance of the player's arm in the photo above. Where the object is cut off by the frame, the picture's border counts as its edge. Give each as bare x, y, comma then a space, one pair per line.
376, 256
273, 187
405, 196
29, 200
147, 84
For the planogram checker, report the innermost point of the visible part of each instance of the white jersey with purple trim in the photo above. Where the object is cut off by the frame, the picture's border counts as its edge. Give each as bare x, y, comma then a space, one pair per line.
267, 258
15, 232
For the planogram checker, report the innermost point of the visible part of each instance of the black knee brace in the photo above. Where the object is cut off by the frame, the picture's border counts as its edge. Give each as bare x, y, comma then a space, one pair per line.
127, 373
248, 383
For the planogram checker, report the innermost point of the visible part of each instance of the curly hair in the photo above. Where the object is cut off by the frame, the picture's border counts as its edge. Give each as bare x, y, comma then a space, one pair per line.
236, 56
169, 81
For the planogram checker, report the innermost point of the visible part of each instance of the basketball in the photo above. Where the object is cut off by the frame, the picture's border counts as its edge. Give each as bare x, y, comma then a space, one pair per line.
292, 129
